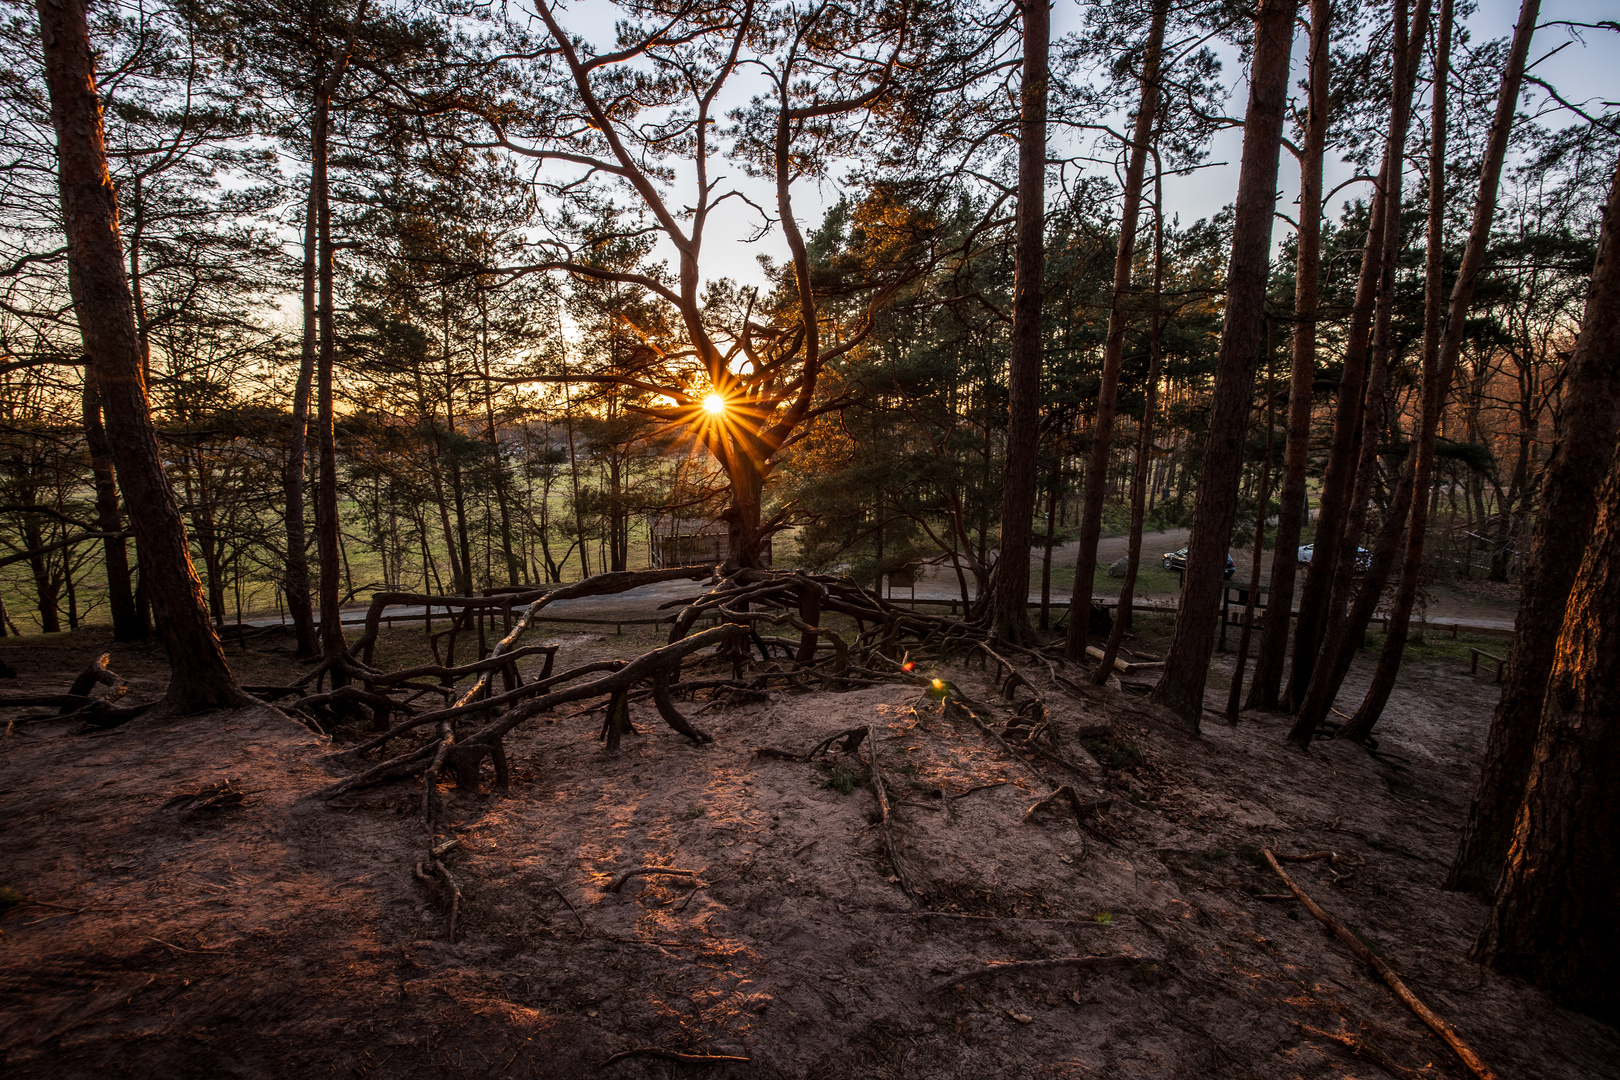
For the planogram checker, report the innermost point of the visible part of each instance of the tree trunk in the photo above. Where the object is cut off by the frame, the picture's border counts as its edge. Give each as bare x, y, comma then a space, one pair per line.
1262, 506
45, 586
1586, 438
516, 572
1187, 665
327, 541
1119, 318
1342, 635
1338, 481
1009, 607
1436, 382
199, 678
296, 581
1552, 921
127, 623
1353, 465
1322, 690
744, 515
1268, 665
1144, 448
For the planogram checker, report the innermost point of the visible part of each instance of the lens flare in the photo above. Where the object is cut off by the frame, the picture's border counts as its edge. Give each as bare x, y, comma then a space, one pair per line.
714, 404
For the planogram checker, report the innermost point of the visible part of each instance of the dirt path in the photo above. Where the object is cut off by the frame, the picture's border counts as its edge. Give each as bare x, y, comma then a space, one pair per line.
282, 936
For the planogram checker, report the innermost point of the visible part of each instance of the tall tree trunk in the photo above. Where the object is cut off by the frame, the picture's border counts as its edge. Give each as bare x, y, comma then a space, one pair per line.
296, 578
516, 572
1338, 481
1353, 464
1054, 482
1119, 318
1268, 665
1322, 689
1436, 382
45, 586
199, 678
1552, 921
1144, 449
1586, 438
127, 623
1187, 665
1262, 507
1009, 606
1342, 635
328, 543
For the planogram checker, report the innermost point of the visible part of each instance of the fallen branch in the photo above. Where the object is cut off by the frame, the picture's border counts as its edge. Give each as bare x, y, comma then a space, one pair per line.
1357, 946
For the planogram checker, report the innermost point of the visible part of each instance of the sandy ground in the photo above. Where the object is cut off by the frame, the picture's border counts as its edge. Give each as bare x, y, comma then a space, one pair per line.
286, 937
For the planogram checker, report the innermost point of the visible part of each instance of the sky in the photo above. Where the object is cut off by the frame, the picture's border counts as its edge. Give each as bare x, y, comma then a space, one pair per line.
1582, 72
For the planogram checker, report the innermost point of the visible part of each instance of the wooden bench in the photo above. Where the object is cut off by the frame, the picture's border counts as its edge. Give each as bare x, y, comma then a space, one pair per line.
1473, 661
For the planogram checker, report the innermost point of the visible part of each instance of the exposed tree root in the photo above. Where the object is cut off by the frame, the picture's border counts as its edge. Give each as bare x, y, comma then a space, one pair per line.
466, 723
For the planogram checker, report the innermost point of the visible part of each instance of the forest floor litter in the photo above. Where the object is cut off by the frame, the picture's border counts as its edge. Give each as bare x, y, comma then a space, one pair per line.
177, 904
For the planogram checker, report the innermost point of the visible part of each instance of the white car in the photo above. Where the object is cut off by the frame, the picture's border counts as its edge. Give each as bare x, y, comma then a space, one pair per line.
1363, 556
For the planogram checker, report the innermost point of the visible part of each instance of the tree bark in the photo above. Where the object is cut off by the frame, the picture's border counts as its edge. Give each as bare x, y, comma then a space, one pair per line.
1010, 604
199, 678
127, 622
1119, 318
1553, 918
1187, 665
1586, 439
1268, 665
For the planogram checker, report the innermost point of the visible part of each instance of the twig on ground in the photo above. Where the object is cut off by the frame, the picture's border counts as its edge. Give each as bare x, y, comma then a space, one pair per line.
1081, 808
178, 949
1315, 856
449, 883
978, 787
1093, 923
582, 927
1357, 946
1024, 967
883, 808
849, 740
647, 871
669, 1055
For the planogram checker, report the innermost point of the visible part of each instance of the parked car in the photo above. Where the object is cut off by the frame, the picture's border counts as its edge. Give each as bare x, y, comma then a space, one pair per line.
1363, 556
1177, 560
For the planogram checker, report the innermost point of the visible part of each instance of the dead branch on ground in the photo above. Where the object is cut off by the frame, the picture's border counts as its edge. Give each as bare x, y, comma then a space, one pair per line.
1357, 946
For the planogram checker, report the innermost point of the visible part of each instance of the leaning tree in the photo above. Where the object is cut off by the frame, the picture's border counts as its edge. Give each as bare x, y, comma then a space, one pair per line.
105, 310
613, 135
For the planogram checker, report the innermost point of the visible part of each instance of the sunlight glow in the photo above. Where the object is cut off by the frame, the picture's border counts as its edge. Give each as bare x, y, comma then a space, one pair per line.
714, 404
